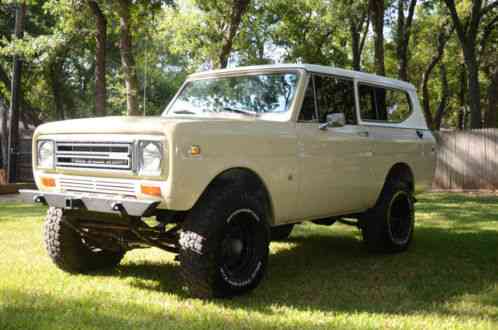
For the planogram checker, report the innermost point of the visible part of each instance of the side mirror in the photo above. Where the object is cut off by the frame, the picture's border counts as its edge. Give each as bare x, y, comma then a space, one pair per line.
334, 120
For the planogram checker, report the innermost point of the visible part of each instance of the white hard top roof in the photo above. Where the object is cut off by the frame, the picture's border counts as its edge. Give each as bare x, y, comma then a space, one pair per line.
362, 76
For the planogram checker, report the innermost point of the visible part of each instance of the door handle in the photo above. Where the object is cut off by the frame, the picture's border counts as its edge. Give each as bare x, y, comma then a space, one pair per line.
363, 134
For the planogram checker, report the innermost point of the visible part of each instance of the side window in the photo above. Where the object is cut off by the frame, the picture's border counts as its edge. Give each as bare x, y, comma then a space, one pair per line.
368, 110
398, 105
381, 104
335, 95
308, 112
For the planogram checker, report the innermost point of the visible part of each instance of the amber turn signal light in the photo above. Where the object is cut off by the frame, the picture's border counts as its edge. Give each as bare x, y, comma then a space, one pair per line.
48, 182
195, 150
151, 190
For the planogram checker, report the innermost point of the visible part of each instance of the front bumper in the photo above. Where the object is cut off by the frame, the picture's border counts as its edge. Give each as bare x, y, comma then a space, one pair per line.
74, 201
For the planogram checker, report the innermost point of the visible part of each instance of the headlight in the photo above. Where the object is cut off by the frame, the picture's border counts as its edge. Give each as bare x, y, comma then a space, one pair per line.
45, 154
150, 158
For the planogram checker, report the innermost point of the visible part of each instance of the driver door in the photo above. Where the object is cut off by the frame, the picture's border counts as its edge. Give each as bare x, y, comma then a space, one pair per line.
333, 161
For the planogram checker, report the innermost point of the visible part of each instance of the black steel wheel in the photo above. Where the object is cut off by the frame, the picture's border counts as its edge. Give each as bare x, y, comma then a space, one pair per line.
240, 248
400, 218
388, 227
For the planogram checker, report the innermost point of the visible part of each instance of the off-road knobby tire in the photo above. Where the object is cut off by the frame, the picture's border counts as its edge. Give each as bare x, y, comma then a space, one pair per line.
280, 233
375, 225
67, 250
203, 232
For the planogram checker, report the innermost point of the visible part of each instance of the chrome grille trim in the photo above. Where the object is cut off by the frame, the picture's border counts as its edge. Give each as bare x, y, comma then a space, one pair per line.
97, 186
94, 155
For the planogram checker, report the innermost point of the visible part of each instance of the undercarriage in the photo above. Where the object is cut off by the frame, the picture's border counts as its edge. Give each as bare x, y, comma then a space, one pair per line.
107, 223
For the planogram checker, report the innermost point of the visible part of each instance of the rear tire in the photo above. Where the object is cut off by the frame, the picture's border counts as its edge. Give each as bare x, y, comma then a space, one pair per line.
280, 233
388, 227
68, 250
224, 243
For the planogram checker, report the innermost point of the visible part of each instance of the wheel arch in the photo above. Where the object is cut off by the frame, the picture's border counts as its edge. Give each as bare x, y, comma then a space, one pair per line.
250, 180
401, 171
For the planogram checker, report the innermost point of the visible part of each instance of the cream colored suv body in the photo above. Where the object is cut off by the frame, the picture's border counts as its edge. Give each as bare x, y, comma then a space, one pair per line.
310, 159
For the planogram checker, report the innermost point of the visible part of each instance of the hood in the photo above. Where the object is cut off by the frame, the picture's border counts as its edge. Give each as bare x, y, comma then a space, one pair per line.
118, 125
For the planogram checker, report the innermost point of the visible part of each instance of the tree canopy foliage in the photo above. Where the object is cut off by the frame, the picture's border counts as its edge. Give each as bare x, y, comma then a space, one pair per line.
132, 57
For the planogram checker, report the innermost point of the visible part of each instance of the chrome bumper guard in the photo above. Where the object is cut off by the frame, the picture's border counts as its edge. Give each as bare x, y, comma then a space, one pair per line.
70, 201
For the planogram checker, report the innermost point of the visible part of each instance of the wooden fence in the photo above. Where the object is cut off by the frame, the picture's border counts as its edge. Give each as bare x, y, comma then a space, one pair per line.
24, 162
467, 160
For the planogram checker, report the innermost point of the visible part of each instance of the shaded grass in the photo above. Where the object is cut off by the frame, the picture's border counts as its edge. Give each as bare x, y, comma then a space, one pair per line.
322, 277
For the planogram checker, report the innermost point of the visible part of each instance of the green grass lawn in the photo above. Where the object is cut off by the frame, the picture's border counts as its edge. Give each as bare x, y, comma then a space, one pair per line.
321, 278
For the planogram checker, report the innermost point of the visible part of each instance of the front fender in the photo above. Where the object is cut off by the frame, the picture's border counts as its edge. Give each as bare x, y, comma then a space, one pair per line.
265, 148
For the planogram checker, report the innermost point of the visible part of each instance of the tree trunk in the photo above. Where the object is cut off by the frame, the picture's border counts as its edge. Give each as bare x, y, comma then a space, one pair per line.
56, 86
403, 37
100, 61
426, 105
442, 38
467, 32
462, 98
4, 117
474, 87
355, 46
16, 97
127, 60
491, 111
358, 37
239, 7
443, 103
377, 14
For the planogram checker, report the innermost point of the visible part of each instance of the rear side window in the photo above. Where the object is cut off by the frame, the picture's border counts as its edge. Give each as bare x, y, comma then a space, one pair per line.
335, 95
382, 104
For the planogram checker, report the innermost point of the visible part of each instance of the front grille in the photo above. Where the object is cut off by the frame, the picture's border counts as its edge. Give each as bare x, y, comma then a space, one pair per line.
94, 155
96, 185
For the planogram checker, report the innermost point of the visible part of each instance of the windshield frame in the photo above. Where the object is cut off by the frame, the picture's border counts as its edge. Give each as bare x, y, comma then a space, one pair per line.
282, 116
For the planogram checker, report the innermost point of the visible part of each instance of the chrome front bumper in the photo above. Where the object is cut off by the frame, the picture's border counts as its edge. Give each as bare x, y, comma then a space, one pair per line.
74, 201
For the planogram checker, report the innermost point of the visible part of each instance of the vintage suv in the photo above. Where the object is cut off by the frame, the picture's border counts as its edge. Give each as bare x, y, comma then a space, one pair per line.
238, 157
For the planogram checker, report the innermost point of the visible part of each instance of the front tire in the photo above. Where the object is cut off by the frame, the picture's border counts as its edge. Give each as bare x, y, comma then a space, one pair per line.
224, 243
68, 250
388, 227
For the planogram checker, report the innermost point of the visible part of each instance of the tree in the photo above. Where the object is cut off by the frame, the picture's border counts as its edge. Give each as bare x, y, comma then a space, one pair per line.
127, 59
489, 63
403, 33
4, 110
239, 8
467, 29
377, 9
357, 18
100, 58
253, 44
310, 32
55, 79
16, 96
434, 122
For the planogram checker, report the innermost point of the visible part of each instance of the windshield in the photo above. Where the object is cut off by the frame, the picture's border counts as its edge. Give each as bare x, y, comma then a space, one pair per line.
247, 95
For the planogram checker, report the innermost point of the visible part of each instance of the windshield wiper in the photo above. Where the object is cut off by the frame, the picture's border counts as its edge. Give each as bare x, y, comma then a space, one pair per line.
184, 112
242, 111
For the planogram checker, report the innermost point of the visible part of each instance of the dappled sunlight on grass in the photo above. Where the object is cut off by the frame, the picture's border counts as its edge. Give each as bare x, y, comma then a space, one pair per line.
15, 211
322, 277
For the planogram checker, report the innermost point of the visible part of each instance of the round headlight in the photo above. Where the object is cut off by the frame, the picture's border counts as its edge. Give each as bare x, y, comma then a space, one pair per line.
151, 156
45, 154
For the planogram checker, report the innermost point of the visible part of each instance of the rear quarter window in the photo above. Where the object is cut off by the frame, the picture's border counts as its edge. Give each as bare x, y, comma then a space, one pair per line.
381, 104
